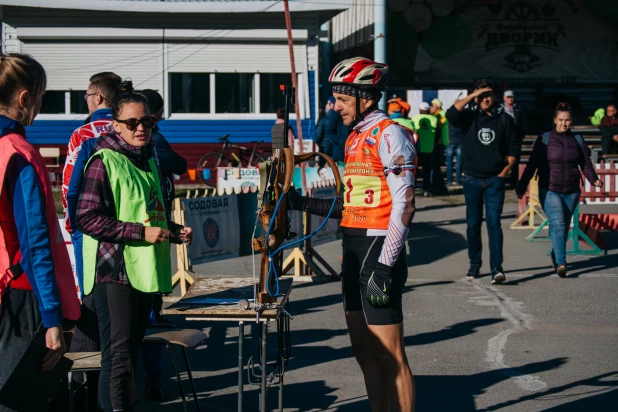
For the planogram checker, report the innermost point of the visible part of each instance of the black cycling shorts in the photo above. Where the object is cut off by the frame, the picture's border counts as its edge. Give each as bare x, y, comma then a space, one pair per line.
360, 256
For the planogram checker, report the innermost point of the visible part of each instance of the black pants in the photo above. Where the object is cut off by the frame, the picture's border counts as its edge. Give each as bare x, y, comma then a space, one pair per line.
123, 314
86, 336
437, 180
608, 146
19, 325
360, 256
426, 161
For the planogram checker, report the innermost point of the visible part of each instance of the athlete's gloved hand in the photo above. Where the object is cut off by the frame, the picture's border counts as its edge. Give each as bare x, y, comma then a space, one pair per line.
294, 200
379, 286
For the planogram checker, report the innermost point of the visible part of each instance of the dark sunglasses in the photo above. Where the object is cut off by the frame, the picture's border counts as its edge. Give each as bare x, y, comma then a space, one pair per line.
485, 95
147, 121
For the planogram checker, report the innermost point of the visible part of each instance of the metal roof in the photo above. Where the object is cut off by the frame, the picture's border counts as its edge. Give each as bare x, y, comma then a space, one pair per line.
169, 14
182, 6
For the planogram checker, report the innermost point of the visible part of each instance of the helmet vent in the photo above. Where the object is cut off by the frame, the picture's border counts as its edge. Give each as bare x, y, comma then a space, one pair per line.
368, 77
346, 72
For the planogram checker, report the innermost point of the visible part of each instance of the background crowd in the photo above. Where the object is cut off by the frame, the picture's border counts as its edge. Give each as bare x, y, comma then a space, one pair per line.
117, 192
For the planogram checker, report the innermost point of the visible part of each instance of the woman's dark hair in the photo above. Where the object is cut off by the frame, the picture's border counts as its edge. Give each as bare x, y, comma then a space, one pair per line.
127, 95
563, 107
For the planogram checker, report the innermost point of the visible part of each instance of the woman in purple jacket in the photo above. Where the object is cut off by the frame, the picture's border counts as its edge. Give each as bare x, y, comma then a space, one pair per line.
558, 157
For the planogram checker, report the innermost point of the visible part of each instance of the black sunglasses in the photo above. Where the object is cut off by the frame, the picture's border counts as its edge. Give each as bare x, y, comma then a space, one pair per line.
147, 121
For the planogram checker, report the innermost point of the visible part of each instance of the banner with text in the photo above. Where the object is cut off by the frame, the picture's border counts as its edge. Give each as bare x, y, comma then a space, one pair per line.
215, 225
236, 180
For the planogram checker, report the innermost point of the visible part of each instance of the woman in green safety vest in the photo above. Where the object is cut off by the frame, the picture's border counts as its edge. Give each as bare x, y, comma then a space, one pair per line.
127, 239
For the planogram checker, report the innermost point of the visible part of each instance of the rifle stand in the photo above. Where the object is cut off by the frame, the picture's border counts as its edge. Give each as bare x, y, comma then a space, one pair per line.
184, 275
534, 236
308, 258
311, 253
303, 264
530, 212
577, 234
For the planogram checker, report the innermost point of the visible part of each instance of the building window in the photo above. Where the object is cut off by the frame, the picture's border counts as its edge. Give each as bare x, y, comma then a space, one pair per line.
190, 92
234, 93
53, 102
271, 97
78, 103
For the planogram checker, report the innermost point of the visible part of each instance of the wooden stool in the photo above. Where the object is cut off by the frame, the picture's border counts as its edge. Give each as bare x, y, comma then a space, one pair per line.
83, 362
185, 338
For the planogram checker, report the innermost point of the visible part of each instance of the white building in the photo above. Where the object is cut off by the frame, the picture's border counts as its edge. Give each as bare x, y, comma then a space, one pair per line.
218, 64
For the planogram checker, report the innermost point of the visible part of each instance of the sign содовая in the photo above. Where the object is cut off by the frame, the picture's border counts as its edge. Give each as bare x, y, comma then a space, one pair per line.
215, 225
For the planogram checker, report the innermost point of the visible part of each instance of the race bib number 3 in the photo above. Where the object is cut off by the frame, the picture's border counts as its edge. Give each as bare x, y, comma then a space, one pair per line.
362, 191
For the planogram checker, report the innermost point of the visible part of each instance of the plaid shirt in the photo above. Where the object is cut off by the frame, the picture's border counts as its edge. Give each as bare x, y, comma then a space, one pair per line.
96, 212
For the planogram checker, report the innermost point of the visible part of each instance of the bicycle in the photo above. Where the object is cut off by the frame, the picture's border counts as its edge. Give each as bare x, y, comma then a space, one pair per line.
207, 166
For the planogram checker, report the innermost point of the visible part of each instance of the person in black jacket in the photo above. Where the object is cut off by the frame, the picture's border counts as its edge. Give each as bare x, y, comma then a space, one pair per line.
335, 135
609, 131
557, 158
490, 150
321, 137
170, 162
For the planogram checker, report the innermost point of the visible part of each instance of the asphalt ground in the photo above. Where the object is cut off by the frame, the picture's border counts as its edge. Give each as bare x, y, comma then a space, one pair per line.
534, 343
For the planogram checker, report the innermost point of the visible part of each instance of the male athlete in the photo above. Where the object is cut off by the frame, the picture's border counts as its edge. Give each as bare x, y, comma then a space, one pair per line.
376, 212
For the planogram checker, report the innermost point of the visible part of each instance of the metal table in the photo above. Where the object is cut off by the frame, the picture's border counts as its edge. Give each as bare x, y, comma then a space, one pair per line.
214, 299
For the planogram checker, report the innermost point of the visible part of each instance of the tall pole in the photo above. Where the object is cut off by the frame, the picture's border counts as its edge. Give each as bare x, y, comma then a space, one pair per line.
288, 26
379, 37
1, 29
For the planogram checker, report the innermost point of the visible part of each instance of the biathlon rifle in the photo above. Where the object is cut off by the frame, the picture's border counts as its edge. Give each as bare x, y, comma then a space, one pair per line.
273, 214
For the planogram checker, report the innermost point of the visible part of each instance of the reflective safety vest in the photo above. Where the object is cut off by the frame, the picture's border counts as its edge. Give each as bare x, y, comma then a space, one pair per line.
425, 125
443, 125
16, 145
367, 201
405, 122
137, 198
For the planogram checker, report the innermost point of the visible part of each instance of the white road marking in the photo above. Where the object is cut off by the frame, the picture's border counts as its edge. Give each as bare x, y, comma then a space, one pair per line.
584, 275
511, 311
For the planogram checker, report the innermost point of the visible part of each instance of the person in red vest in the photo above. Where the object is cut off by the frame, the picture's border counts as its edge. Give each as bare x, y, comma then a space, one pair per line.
37, 288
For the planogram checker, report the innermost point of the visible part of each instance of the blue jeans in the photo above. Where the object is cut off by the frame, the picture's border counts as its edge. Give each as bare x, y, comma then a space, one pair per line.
559, 209
453, 149
489, 193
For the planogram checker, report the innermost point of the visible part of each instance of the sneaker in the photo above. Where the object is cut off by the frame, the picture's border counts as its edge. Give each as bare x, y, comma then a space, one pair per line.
426, 194
562, 271
154, 391
474, 272
497, 277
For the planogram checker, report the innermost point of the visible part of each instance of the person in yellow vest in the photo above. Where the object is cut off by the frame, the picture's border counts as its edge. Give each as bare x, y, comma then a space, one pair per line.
425, 125
442, 141
37, 288
127, 239
376, 212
